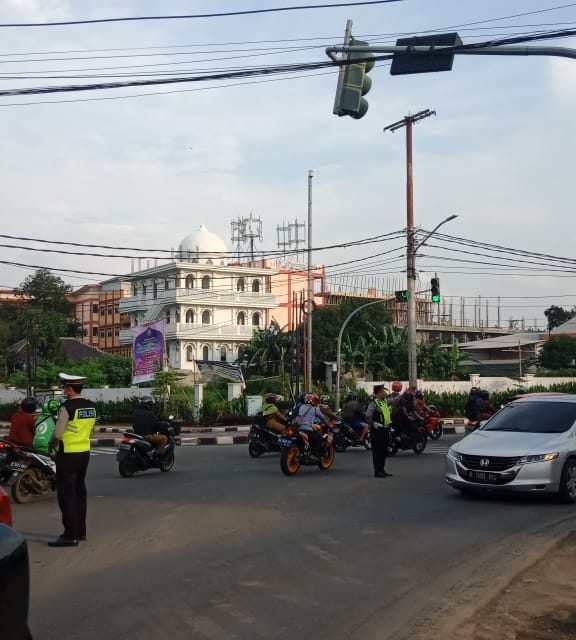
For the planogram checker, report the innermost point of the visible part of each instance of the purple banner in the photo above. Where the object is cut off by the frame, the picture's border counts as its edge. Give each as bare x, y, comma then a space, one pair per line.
147, 351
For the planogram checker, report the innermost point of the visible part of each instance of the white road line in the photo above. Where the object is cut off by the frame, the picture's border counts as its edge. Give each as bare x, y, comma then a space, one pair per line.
108, 452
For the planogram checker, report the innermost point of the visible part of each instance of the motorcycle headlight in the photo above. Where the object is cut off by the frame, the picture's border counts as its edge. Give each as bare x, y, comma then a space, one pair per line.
542, 457
454, 455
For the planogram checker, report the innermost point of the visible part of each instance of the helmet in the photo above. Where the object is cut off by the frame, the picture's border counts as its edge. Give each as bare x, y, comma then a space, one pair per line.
474, 391
397, 386
324, 399
50, 406
147, 402
270, 397
29, 404
419, 395
311, 398
485, 395
351, 397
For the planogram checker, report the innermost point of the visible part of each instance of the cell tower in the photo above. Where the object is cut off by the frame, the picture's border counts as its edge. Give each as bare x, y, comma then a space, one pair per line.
290, 237
244, 232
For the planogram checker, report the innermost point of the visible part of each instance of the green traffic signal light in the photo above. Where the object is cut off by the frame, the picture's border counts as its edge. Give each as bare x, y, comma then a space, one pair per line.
435, 289
355, 82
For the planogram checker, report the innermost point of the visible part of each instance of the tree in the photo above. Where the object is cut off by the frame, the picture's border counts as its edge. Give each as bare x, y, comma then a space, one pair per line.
558, 352
267, 352
557, 316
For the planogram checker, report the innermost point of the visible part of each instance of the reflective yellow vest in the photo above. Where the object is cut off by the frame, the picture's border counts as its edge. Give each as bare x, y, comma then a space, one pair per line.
384, 410
76, 436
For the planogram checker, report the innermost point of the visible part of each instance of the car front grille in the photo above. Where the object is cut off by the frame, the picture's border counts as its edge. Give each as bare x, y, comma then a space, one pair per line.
488, 463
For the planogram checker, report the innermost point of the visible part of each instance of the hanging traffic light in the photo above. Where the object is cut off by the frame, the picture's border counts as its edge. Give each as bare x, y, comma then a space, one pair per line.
435, 289
401, 296
355, 82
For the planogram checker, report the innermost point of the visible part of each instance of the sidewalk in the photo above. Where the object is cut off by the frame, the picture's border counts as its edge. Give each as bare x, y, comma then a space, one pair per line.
111, 435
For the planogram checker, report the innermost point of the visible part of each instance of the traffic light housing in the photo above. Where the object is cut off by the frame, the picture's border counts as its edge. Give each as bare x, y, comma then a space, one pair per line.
405, 63
402, 296
354, 83
435, 289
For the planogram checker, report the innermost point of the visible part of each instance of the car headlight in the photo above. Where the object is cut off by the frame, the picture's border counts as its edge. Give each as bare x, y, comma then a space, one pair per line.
454, 455
542, 457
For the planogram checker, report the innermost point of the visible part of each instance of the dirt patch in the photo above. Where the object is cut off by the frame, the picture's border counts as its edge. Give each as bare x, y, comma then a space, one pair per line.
539, 604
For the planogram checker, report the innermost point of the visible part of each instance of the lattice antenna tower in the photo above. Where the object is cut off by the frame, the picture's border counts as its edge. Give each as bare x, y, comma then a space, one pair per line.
237, 235
245, 231
296, 235
282, 239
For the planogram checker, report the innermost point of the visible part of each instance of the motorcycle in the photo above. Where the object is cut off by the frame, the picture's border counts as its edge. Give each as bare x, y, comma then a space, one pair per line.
401, 441
296, 451
135, 453
27, 473
346, 436
262, 440
433, 423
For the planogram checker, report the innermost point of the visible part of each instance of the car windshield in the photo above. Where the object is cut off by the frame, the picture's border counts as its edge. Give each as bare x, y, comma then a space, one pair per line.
534, 417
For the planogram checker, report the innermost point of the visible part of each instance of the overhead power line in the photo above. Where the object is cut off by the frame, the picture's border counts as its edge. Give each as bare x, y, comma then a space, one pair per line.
194, 16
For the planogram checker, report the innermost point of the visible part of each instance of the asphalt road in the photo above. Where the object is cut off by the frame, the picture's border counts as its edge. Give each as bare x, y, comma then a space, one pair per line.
227, 547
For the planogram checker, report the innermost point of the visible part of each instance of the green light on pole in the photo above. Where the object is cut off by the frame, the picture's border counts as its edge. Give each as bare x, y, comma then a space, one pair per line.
435, 288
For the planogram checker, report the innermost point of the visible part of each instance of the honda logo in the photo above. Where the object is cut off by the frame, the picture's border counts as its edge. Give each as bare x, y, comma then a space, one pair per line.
484, 462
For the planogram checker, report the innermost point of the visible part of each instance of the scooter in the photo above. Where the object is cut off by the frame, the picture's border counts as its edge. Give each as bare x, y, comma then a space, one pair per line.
27, 473
346, 436
135, 453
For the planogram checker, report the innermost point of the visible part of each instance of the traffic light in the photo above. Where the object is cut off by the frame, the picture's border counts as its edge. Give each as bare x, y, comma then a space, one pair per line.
435, 288
404, 63
402, 296
355, 83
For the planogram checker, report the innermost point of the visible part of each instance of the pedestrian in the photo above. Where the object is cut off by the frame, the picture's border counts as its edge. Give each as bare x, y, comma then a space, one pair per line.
22, 423
71, 440
378, 419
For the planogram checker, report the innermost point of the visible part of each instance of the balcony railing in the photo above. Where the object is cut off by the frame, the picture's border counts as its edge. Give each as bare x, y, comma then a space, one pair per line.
192, 331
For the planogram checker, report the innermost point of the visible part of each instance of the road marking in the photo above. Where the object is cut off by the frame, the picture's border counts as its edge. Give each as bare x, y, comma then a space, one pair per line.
108, 452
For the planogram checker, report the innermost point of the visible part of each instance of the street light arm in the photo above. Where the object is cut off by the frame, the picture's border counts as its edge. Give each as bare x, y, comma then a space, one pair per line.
423, 242
339, 345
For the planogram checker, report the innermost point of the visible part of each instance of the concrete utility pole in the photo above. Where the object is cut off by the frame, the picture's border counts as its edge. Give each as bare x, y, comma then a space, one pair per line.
408, 123
309, 302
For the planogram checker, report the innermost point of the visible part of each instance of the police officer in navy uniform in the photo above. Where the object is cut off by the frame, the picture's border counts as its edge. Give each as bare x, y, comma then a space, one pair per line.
378, 419
71, 440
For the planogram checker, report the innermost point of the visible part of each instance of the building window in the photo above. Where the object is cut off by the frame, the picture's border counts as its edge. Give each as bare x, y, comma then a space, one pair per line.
94, 332
102, 333
94, 308
206, 317
143, 289
134, 289
109, 309
190, 316
190, 353
167, 316
223, 353
117, 332
205, 352
116, 308
241, 285
256, 319
166, 285
102, 311
177, 283
256, 286
206, 282
190, 282
177, 316
109, 333
155, 290
241, 318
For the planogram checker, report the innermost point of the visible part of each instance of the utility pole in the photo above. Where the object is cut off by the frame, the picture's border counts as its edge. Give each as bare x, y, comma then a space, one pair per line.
309, 305
407, 123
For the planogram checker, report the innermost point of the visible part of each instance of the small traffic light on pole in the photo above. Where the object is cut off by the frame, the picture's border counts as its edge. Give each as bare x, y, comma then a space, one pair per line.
435, 289
355, 82
401, 296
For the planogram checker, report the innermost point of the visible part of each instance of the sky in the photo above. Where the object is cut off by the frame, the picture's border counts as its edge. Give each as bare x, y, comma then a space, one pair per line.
146, 171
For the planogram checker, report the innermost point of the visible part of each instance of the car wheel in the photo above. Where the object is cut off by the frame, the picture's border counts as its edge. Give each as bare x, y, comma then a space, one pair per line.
567, 491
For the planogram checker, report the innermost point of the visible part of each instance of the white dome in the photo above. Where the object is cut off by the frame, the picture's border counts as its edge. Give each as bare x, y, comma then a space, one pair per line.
203, 247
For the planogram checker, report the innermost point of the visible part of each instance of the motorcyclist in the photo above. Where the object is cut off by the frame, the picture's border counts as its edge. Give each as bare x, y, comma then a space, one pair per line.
393, 400
485, 407
408, 417
273, 417
45, 425
472, 409
22, 423
421, 408
326, 408
146, 424
307, 414
353, 415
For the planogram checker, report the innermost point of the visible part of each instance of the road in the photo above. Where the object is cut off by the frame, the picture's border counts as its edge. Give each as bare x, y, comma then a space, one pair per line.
226, 547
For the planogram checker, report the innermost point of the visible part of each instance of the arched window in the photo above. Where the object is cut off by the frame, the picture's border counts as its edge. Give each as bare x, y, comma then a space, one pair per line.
190, 316
143, 288
223, 353
205, 353
190, 282
167, 316
256, 319
206, 283
241, 318
190, 353
177, 316
256, 286
206, 317
241, 285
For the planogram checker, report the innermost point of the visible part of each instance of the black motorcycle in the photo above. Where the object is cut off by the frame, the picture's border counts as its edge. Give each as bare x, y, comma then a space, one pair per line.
27, 473
296, 451
262, 440
135, 453
401, 441
346, 436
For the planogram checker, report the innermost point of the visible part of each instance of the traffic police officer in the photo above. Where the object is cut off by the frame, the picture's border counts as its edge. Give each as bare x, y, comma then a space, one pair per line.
378, 419
71, 440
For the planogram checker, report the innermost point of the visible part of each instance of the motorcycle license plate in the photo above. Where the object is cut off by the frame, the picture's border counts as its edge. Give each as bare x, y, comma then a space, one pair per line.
124, 447
284, 442
18, 466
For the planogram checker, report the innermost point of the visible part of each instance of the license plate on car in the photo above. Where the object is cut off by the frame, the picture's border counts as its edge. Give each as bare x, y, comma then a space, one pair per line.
284, 442
482, 476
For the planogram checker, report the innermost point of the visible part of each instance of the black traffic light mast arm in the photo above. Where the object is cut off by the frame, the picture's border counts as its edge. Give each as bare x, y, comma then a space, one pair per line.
504, 50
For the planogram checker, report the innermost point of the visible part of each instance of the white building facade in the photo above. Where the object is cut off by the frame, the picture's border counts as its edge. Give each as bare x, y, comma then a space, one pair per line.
210, 307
